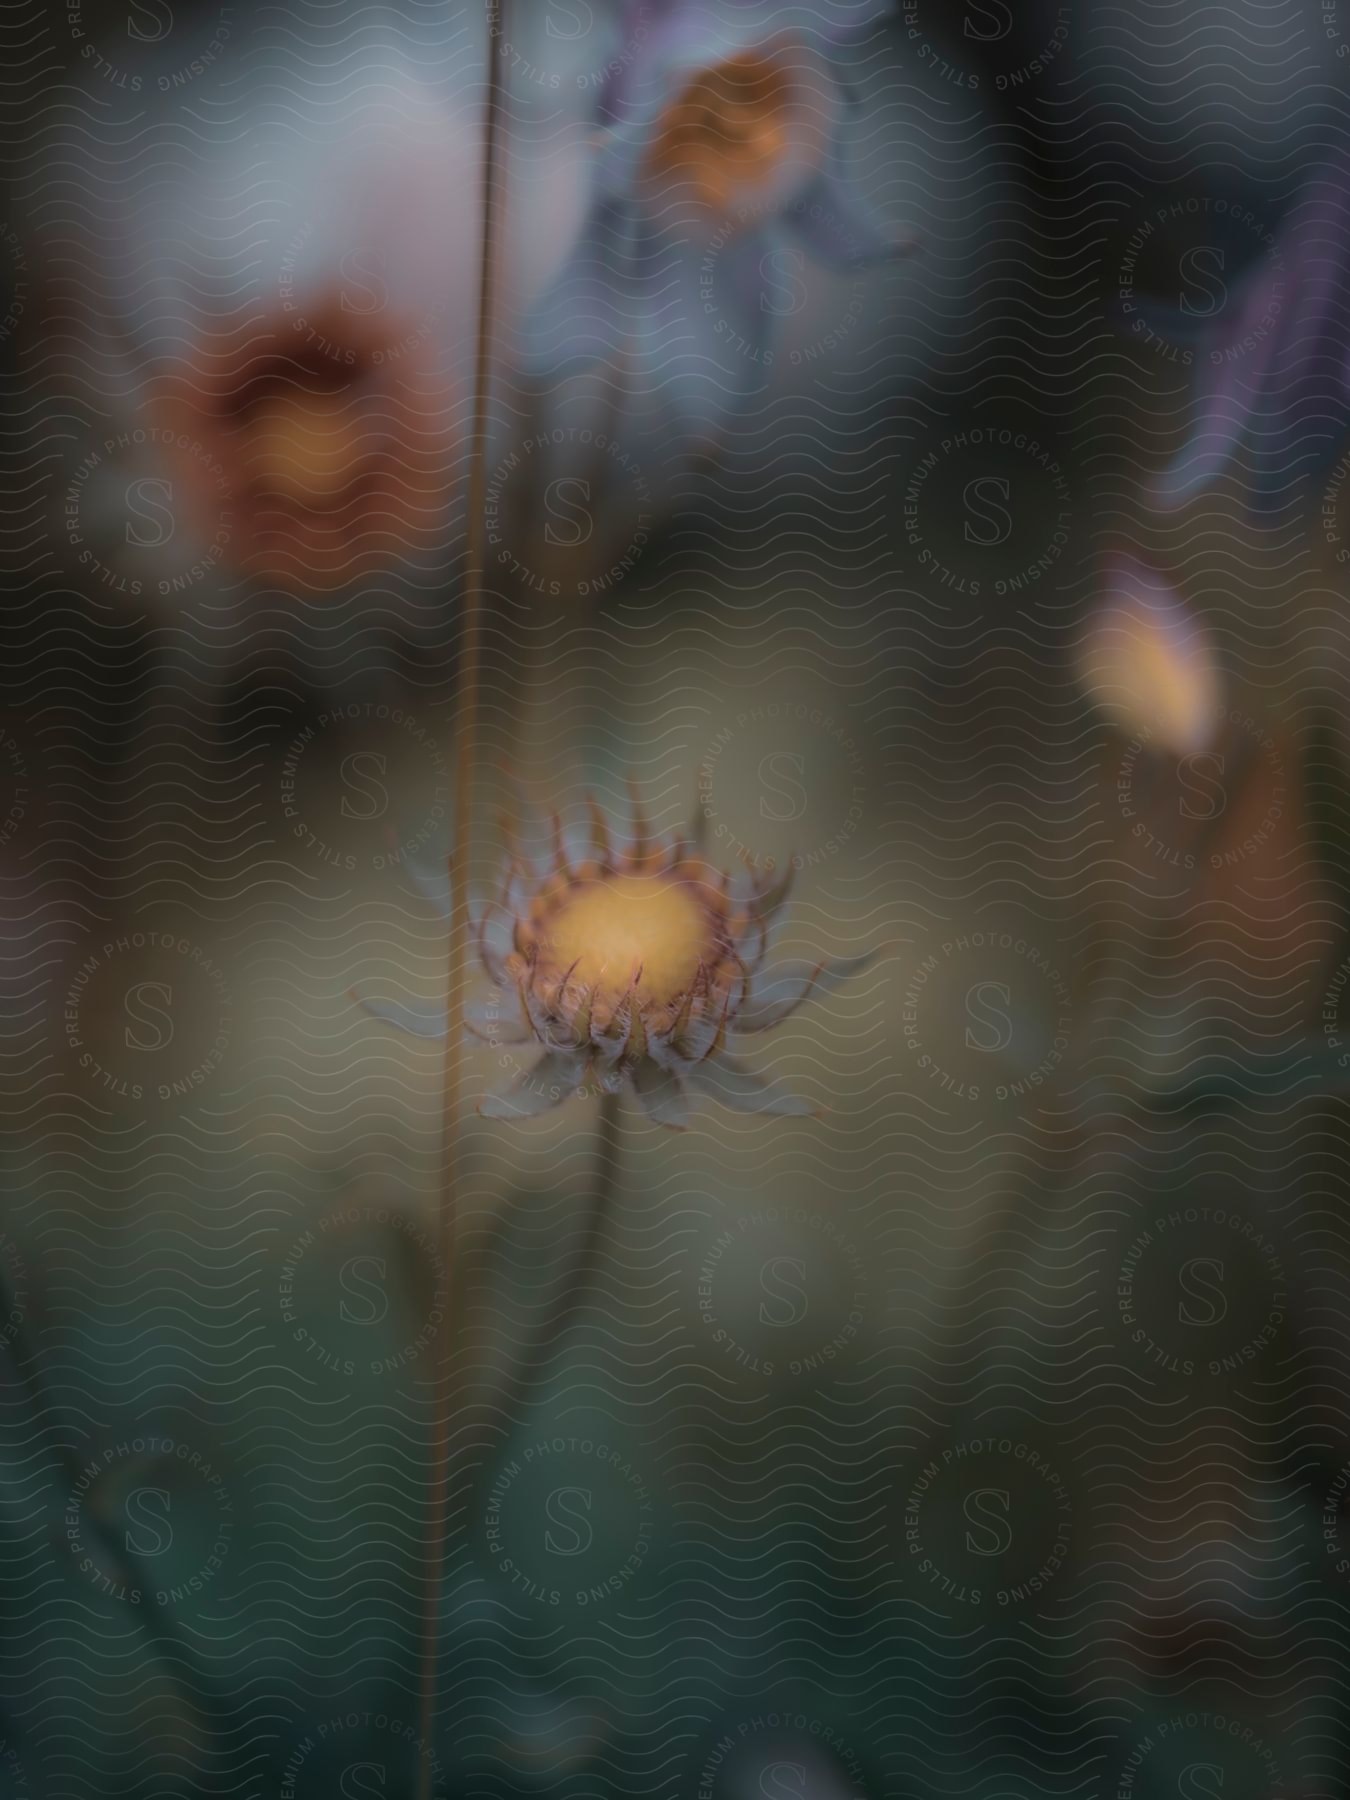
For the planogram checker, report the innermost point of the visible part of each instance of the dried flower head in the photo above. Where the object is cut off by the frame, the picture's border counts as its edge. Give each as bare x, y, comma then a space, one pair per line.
726, 134
634, 965
746, 132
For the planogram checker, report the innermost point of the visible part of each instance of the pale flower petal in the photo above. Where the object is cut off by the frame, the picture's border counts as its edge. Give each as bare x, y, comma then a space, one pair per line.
628, 963
781, 990
433, 881
495, 1018
662, 1095
553, 1079
419, 1018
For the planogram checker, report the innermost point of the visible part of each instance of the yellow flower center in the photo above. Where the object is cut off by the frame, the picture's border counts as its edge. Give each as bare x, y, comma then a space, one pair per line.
726, 130
612, 927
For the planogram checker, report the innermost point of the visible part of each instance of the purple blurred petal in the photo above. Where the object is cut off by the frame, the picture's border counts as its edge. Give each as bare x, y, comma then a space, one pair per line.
1229, 398
1274, 393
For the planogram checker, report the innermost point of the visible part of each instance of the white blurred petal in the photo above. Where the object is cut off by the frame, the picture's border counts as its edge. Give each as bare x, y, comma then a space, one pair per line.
662, 1095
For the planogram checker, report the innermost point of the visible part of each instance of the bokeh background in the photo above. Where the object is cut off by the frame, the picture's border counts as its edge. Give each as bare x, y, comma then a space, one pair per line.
984, 1434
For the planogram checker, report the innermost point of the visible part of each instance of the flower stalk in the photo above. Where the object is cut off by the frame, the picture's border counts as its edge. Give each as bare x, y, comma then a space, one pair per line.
465, 731
577, 1283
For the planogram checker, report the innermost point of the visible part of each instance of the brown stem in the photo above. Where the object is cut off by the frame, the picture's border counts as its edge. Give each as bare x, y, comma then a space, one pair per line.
465, 736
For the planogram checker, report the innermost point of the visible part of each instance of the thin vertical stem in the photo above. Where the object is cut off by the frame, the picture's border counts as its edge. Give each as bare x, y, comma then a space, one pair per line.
574, 1290
465, 742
